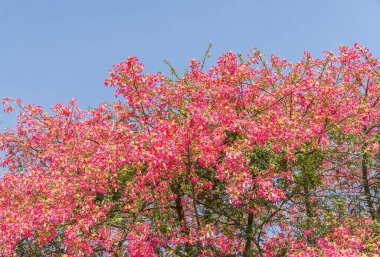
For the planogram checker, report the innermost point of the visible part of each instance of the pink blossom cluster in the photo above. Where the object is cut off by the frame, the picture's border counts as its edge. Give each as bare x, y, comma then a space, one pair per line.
255, 157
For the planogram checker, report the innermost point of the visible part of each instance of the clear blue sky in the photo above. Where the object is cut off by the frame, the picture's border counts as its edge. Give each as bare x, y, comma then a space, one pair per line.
52, 51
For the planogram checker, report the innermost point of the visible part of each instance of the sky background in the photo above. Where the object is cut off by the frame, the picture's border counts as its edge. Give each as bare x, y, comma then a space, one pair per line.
52, 51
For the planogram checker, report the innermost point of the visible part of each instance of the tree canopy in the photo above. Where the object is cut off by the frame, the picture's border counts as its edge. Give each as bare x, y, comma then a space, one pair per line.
254, 157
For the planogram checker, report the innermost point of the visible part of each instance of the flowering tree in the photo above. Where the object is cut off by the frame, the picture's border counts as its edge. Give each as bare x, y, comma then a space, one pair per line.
254, 157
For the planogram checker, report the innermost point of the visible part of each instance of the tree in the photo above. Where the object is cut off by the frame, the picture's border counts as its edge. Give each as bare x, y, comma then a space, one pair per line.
253, 157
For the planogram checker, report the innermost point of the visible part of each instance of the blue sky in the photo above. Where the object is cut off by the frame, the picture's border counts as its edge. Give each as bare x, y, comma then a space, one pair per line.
52, 51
